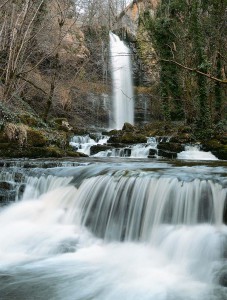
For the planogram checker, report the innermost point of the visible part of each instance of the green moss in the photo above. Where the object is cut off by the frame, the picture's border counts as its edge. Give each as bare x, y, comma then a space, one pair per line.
174, 147
132, 138
36, 138
3, 138
29, 120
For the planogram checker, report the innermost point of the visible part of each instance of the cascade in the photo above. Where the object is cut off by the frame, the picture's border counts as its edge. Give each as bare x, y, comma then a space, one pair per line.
84, 143
116, 231
123, 98
193, 152
132, 151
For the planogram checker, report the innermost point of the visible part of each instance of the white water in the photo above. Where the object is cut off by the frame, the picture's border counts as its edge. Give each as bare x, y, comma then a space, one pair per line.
194, 153
121, 71
124, 234
84, 143
134, 151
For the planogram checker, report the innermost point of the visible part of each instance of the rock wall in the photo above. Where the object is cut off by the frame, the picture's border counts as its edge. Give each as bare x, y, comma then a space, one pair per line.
128, 20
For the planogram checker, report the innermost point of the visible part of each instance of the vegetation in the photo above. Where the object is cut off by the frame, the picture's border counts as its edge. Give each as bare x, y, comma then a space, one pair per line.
54, 66
189, 38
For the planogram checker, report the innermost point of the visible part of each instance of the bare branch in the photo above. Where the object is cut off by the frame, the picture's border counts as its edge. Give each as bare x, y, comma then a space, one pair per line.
31, 83
223, 81
4, 4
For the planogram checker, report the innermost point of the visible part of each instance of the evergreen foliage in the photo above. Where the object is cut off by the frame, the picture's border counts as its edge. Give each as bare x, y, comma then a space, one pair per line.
189, 38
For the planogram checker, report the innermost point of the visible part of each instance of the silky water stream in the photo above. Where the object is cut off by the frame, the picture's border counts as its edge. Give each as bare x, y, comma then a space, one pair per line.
138, 231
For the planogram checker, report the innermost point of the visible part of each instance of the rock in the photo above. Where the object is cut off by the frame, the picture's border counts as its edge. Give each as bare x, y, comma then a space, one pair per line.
3, 138
167, 154
216, 147
173, 147
5, 185
98, 148
114, 132
183, 138
29, 120
152, 152
21, 190
35, 138
223, 279
128, 127
128, 138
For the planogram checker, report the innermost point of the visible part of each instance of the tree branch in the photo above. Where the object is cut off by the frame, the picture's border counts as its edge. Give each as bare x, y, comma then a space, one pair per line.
31, 83
4, 4
223, 81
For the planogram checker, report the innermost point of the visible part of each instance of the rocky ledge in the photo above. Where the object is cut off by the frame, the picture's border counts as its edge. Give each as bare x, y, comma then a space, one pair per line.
19, 140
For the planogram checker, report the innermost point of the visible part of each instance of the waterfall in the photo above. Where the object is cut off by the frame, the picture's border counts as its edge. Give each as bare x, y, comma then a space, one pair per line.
84, 143
193, 152
123, 99
109, 231
132, 151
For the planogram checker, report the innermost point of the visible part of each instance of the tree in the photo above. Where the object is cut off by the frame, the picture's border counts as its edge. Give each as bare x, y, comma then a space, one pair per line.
190, 41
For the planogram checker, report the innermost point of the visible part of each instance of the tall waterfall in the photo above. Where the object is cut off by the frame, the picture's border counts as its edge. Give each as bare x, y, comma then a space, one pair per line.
109, 231
123, 99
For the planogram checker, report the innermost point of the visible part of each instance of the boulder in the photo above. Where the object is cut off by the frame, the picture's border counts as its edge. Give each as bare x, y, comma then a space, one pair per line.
167, 154
216, 147
173, 147
98, 148
128, 138
128, 127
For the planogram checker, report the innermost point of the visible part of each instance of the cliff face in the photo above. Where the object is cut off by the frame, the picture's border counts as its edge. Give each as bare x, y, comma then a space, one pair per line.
128, 20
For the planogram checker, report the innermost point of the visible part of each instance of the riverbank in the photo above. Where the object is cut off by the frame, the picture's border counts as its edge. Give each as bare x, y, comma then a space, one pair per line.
33, 139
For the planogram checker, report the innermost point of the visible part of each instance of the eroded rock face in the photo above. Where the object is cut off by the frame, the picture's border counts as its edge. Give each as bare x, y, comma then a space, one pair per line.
129, 18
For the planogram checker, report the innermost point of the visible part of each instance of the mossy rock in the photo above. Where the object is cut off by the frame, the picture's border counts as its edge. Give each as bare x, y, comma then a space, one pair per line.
36, 138
128, 138
128, 127
3, 138
221, 153
98, 148
5, 185
57, 138
212, 145
75, 154
114, 132
133, 138
59, 121
217, 148
5, 146
167, 154
183, 138
29, 120
184, 129
174, 147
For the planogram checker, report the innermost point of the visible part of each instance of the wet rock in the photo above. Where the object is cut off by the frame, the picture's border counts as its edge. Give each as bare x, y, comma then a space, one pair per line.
152, 153
223, 280
128, 127
183, 138
167, 154
7, 196
216, 147
98, 148
128, 138
18, 177
5, 185
36, 138
21, 190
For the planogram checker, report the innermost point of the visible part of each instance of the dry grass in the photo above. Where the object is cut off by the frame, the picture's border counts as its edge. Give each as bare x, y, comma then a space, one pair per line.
16, 133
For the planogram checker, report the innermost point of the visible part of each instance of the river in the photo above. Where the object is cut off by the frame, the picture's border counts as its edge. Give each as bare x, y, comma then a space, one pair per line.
114, 229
